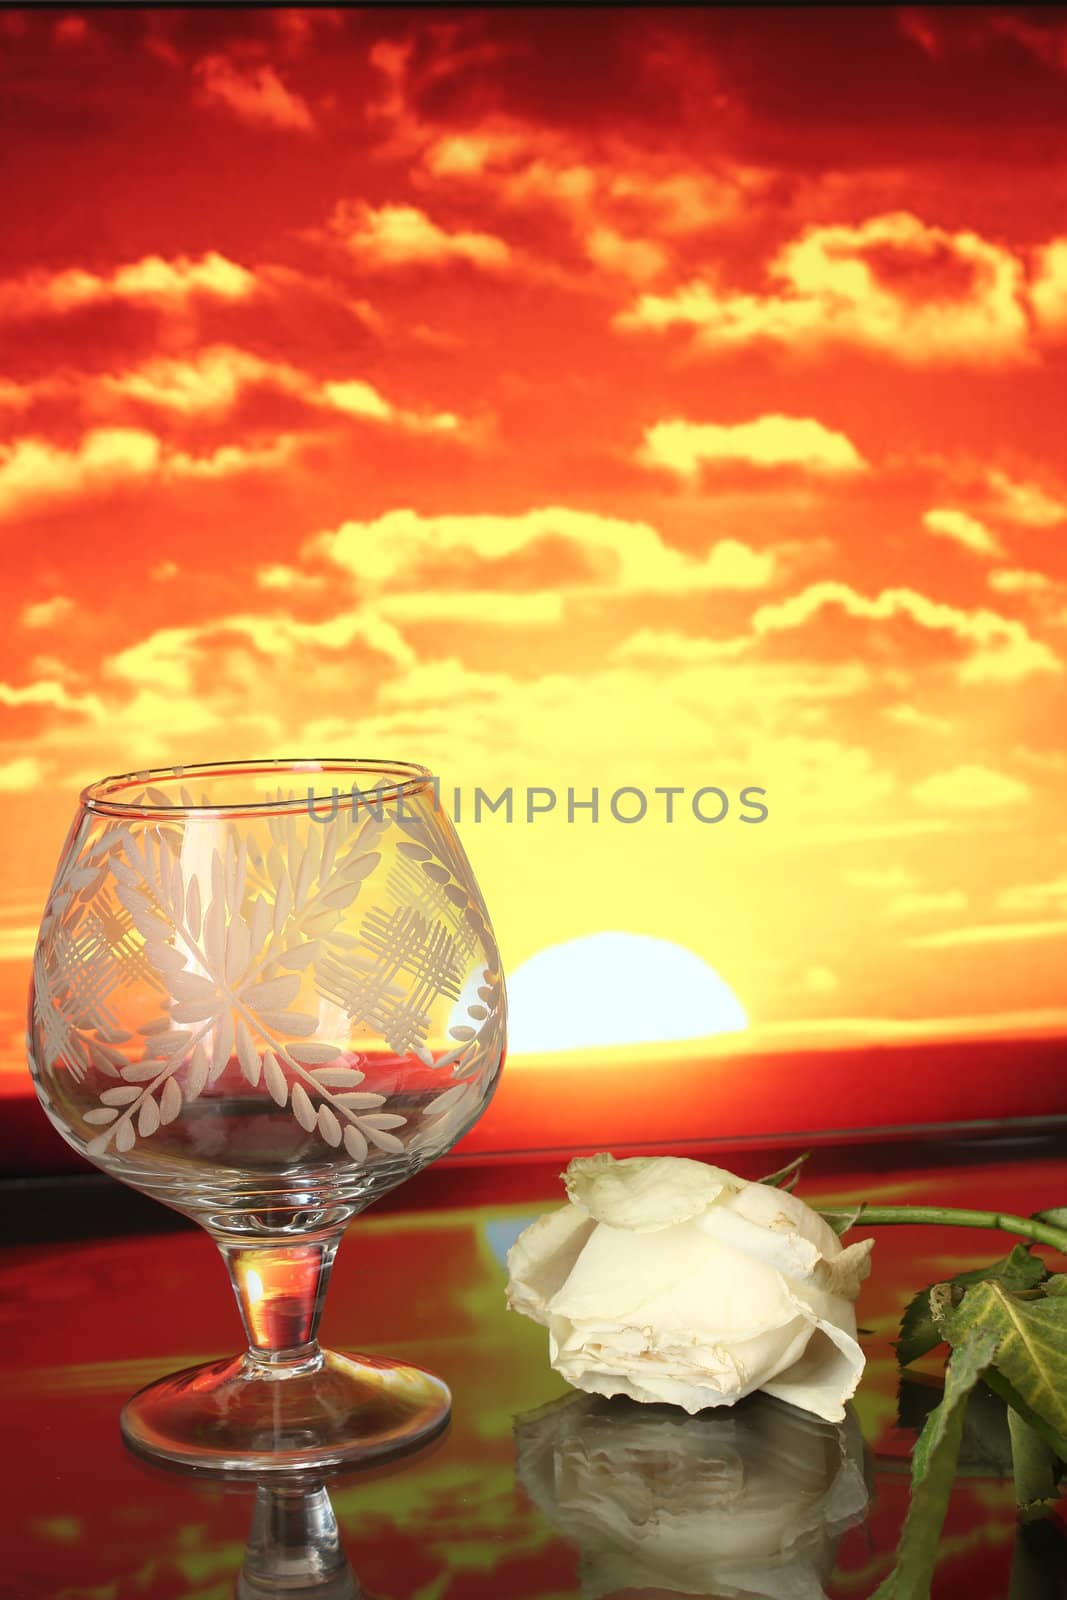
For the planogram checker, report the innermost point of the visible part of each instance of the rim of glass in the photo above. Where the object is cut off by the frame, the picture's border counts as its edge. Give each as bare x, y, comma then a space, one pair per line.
105, 795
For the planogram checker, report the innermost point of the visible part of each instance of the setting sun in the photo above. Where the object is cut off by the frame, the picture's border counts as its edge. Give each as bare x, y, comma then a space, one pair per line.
616, 989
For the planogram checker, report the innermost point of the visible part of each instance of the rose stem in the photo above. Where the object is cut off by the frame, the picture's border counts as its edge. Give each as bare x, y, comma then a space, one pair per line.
1028, 1227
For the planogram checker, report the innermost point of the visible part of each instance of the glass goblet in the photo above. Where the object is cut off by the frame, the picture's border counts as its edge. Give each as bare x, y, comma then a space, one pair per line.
265, 993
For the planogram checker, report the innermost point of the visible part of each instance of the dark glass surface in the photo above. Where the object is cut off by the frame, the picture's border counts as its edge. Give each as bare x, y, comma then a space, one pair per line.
102, 1292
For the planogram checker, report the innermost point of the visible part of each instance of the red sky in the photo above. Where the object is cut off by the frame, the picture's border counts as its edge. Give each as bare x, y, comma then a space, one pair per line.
572, 397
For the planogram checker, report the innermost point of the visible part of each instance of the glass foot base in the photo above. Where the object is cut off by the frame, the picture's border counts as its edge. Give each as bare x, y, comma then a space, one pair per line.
240, 1414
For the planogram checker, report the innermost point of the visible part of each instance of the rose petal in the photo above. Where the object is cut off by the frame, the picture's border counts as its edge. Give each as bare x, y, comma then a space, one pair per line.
645, 1192
542, 1257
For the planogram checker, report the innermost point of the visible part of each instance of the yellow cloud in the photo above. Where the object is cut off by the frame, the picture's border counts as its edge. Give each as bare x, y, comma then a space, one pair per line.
614, 556
622, 205
989, 933
909, 716
52, 696
1012, 580
236, 680
963, 530
499, 609
665, 648
1048, 291
289, 580
153, 280
34, 471
20, 775
208, 382
767, 441
358, 399
172, 658
211, 381
1027, 504
229, 460
254, 94
971, 787
1037, 897
402, 235
46, 613
831, 291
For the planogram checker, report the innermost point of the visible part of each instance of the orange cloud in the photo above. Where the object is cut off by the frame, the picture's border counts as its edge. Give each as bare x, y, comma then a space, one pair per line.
154, 280
254, 94
768, 441
402, 235
46, 613
639, 259
1001, 649
1027, 504
622, 205
920, 294
962, 530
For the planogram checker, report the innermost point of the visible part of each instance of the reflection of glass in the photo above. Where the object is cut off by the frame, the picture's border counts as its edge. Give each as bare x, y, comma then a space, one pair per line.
266, 994
744, 1505
295, 1548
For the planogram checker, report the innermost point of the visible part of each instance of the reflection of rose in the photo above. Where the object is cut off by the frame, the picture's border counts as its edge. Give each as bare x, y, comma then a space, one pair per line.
744, 1505
669, 1280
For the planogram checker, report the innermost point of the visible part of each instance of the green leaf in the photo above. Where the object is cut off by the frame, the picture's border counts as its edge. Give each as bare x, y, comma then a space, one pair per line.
842, 1220
933, 1469
985, 1448
1011, 1397
920, 1327
1057, 1217
1031, 1340
1017, 1270
920, 1330
786, 1177
1035, 1468
1056, 1285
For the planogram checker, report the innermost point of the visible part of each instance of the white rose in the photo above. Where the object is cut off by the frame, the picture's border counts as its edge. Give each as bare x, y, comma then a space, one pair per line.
668, 1280
745, 1503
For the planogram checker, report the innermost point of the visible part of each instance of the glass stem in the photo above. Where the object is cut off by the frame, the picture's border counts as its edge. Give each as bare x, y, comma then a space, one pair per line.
280, 1291
294, 1547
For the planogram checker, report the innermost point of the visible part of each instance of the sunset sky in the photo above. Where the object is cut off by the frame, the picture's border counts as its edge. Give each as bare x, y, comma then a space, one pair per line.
567, 398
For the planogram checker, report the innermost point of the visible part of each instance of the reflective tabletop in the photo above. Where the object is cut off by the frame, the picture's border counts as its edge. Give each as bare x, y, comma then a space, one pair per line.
535, 1490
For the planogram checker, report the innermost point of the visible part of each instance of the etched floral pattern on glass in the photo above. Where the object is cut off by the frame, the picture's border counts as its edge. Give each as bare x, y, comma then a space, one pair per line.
265, 994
